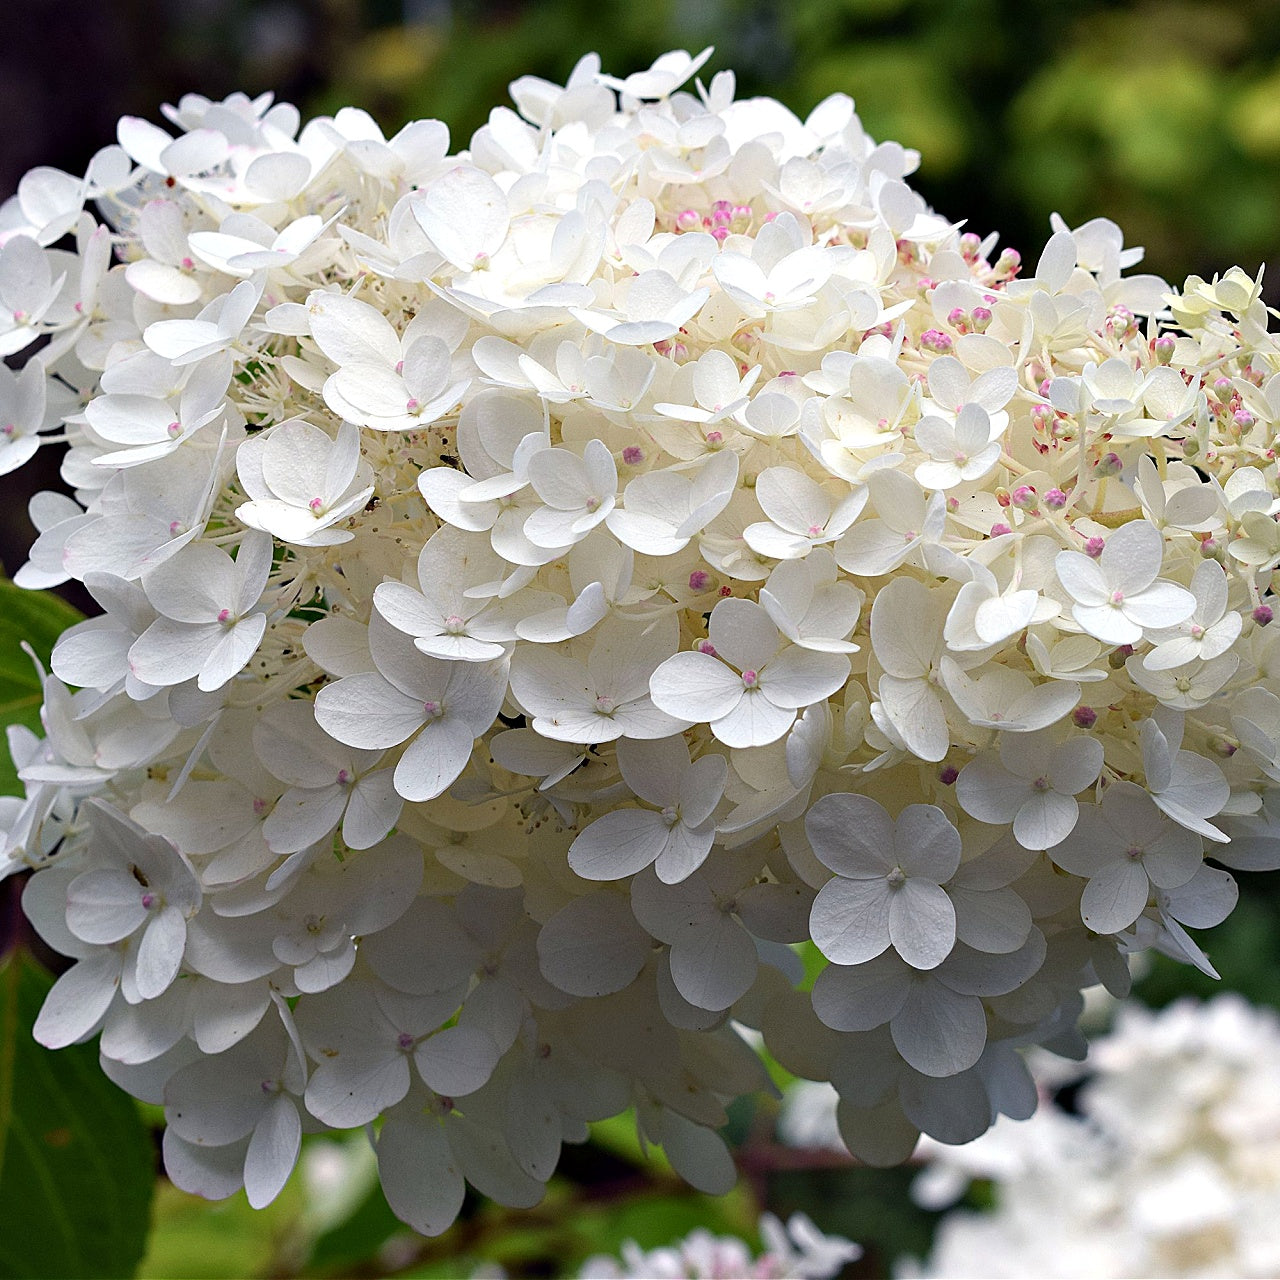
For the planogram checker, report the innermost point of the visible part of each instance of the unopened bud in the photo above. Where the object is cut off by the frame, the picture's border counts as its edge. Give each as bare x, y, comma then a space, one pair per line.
935, 340
1055, 499
1163, 348
1108, 465
1262, 615
1085, 717
999, 530
1023, 497
1093, 548
948, 774
1008, 264
980, 319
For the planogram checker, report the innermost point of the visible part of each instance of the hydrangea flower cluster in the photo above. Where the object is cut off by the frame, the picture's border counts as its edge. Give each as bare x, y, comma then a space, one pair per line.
544, 583
1180, 1180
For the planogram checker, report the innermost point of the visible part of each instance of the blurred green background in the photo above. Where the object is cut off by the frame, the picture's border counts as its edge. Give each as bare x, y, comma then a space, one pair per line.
1163, 115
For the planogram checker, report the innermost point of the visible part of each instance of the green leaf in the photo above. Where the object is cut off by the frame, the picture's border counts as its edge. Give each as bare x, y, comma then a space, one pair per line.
76, 1164
39, 618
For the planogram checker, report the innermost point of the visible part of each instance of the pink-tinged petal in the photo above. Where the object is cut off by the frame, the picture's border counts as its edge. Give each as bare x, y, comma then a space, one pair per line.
849, 920
922, 924
1115, 897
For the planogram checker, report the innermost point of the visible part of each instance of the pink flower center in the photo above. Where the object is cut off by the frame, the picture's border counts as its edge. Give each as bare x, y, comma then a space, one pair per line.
751, 679
431, 710
316, 505
174, 429
224, 615
405, 1041
148, 901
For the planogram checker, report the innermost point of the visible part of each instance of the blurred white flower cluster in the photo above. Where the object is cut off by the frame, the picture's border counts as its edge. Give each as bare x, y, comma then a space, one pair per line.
796, 1251
1171, 1167
543, 583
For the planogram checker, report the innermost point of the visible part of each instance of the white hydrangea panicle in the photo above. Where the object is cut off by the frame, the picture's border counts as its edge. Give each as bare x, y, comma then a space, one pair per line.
546, 582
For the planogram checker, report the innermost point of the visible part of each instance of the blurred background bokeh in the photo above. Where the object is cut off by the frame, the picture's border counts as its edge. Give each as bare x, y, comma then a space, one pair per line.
1164, 115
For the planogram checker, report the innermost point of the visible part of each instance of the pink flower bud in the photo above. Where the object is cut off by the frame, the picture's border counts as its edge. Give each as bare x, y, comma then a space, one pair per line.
937, 341
980, 319
1093, 548
948, 774
1085, 717
1262, 615
999, 530
1163, 348
1055, 499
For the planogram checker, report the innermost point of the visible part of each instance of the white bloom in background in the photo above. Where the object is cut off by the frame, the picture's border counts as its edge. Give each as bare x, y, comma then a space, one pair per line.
796, 1250
1133, 1181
